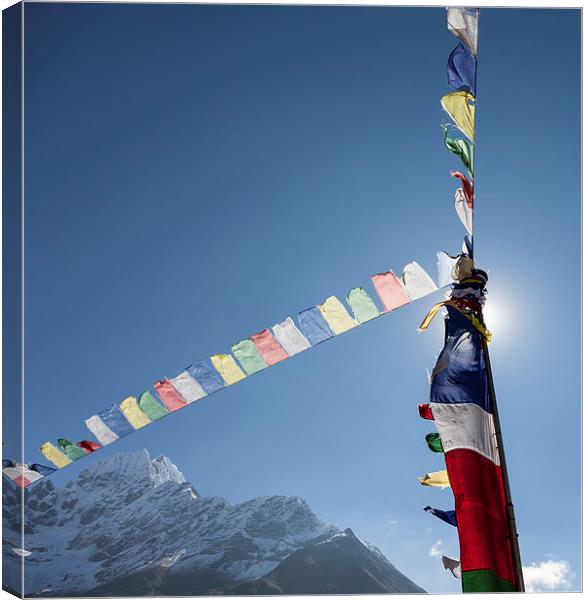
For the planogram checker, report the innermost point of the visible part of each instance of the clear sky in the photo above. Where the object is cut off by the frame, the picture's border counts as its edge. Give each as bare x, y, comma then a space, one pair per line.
197, 173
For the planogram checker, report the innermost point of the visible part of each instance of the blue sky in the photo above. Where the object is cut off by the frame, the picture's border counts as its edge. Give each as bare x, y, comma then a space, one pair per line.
197, 173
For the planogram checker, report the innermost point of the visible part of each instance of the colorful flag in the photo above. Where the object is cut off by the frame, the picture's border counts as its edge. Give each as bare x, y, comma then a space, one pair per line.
445, 515
100, 430
135, 416
434, 442
54, 455
390, 290
314, 327
248, 356
88, 446
271, 352
227, 367
462, 148
425, 411
416, 281
152, 407
362, 305
115, 421
290, 337
467, 186
464, 212
42, 469
188, 388
461, 69
461, 108
336, 316
437, 479
22, 475
70, 449
206, 376
463, 23
168, 395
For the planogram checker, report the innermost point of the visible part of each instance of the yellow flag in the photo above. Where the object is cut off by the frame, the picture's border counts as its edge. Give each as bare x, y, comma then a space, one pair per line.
457, 105
135, 416
436, 479
225, 364
336, 316
56, 456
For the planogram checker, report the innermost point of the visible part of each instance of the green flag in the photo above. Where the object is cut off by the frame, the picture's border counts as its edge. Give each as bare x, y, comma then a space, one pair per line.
434, 442
362, 305
151, 407
249, 357
463, 149
73, 452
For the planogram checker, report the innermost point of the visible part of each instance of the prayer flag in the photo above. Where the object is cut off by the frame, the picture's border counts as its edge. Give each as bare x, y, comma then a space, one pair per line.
437, 479
362, 305
225, 364
115, 421
336, 316
70, 450
445, 515
460, 107
290, 337
249, 357
135, 416
416, 281
88, 446
206, 376
168, 395
462, 148
152, 407
464, 212
100, 430
467, 185
42, 469
434, 442
452, 565
54, 455
461, 69
22, 475
271, 352
390, 290
188, 388
425, 411
463, 23
314, 326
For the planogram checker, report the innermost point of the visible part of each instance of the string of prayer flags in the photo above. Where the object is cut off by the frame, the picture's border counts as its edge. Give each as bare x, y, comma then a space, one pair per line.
463, 23
459, 106
135, 416
445, 515
169, 395
206, 376
362, 306
452, 565
152, 407
461, 69
271, 352
187, 387
227, 367
72, 452
437, 479
290, 337
416, 281
314, 327
54, 455
336, 316
462, 148
434, 442
390, 291
248, 356
100, 430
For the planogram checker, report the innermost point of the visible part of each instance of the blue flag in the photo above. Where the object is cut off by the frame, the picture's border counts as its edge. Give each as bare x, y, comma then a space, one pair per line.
314, 326
208, 377
42, 469
8, 463
461, 69
116, 421
445, 515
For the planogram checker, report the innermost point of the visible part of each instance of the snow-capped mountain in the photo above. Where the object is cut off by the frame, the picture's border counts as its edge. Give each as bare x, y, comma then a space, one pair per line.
130, 525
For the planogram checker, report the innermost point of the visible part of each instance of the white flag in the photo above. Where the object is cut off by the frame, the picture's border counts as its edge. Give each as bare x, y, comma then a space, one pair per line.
453, 565
416, 281
463, 23
290, 337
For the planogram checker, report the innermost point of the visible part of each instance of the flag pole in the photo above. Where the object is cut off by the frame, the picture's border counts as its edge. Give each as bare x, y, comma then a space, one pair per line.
510, 515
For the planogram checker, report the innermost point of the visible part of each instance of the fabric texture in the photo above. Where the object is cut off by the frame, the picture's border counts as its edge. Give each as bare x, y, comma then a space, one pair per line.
290, 337
463, 23
336, 316
248, 356
187, 387
434, 442
416, 281
227, 367
314, 326
362, 306
206, 376
390, 290
459, 106
152, 407
461, 148
54, 455
169, 395
271, 352
100, 430
115, 421
135, 416
461, 69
